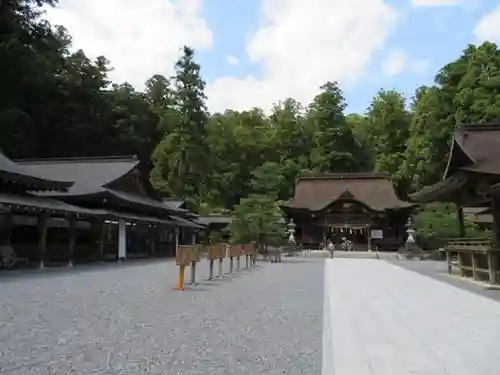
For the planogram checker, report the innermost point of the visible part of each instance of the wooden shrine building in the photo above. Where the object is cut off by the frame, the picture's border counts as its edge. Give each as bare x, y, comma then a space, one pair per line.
18, 199
472, 179
361, 207
110, 210
472, 173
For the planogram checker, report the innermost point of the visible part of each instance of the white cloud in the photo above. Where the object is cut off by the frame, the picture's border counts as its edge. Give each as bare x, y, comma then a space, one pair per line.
302, 44
232, 60
420, 66
436, 3
397, 62
394, 64
488, 27
140, 38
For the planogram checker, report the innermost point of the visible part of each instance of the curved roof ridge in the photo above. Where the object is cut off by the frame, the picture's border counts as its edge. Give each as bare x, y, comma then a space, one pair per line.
75, 159
349, 175
39, 180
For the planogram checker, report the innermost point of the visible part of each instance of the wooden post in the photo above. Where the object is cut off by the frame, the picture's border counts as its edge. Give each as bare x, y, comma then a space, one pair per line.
122, 239
492, 267
100, 244
460, 264
193, 273
474, 265
152, 238
9, 226
231, 264
460, 218
369, 236
72, 239
180, 281
176, 231
211, 269
42, 238
220, 267
495, 209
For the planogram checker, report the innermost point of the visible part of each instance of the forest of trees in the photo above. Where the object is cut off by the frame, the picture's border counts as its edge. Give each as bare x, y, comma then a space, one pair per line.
55, 102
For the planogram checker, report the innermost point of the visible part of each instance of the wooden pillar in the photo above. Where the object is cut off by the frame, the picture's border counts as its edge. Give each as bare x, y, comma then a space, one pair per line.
474, 265
492, 267
100, 243
122, 239
72, 239
495, 210
460, 218
8, 228
152, 237
42, 238
176, 240
493, 257
369, 235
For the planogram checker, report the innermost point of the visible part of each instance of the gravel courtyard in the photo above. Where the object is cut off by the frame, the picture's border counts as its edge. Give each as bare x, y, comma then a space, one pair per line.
125, 319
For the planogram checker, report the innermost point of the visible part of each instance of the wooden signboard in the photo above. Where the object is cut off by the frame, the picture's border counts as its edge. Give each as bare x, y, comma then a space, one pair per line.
187, 254
247, 249
235, 250
216, 252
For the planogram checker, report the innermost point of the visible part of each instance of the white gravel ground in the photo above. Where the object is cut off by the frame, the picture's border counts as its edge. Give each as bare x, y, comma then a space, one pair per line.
124, 319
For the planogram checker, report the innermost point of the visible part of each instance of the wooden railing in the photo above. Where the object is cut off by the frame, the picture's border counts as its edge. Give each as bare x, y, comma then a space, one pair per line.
475, 258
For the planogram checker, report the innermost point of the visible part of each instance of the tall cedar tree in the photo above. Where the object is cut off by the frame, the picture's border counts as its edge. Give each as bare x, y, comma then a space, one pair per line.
336, 149
180, 159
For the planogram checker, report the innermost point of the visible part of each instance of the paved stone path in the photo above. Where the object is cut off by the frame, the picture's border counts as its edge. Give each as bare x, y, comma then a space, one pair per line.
124, 319
381, 319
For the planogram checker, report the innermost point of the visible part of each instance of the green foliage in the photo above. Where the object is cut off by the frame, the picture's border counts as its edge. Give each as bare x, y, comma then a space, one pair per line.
387, 132
438, 221
180, 159
257, 218
58, 103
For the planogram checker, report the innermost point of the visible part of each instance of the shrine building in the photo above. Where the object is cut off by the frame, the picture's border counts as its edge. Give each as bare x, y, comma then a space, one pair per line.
361, 207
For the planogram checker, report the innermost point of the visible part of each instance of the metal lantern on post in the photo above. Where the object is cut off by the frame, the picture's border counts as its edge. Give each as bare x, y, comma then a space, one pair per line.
291, 231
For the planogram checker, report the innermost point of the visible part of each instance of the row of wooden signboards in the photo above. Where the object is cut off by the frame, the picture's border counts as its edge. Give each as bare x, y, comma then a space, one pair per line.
187, 254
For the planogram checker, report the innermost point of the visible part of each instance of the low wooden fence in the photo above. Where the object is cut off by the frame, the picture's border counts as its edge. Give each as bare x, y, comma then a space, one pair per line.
474, 258
190, 255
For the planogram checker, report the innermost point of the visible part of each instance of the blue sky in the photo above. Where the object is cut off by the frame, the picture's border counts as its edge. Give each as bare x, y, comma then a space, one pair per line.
281, 48
437, 34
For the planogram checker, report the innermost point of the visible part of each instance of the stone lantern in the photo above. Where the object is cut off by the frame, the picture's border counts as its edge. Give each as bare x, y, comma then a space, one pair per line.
410, 231
291, 231
411, 247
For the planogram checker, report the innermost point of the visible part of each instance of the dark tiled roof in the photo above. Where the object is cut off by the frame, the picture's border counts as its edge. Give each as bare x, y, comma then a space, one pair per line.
135, 217
474, 149
142, 200
91, 175
42, 204
187, 223
440, 190
481, 143
213, 219
175, 203
33, 179
374, 190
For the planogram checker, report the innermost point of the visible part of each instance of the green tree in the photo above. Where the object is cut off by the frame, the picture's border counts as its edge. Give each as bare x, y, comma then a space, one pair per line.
258, 217
335, 148
387, 132
179, 160
292, 139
